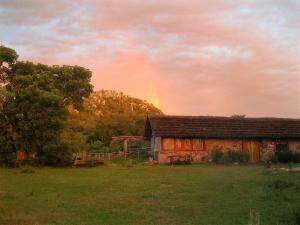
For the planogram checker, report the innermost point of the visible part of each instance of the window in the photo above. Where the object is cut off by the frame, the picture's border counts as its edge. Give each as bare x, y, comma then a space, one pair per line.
168, 144
178, 144
187, 144
198, 144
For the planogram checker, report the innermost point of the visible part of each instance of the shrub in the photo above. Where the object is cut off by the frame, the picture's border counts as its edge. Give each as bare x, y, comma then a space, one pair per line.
58, 155
7, 159
217, 154
238, 156
97, 146
273, 158
284, 156
226, 159
296, 157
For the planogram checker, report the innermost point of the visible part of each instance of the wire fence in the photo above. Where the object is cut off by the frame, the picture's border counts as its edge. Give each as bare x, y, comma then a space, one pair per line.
137, 153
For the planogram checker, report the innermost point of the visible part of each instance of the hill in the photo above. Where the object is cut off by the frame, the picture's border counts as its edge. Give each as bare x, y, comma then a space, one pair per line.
107, 102
106, 114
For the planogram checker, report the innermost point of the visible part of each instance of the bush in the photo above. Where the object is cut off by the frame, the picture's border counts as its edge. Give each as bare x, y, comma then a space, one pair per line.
57, 155
238, 156
273, 158
97, 146
226, 159
7, 159
296, 157
217, 154
284, 156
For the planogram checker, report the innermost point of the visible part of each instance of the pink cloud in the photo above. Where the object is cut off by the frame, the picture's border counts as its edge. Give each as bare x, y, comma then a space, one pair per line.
216, 58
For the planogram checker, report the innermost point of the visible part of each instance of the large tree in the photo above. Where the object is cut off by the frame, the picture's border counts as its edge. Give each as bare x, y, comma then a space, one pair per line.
35, 100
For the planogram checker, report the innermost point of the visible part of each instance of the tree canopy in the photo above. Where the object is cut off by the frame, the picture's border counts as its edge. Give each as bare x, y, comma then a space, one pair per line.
34, 101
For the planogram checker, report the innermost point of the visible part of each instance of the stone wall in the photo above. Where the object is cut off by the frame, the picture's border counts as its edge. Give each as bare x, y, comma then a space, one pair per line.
225, 144
268, 147
265, 148
294, 146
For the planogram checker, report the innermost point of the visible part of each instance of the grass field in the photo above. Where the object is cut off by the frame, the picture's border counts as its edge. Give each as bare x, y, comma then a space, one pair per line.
114, 194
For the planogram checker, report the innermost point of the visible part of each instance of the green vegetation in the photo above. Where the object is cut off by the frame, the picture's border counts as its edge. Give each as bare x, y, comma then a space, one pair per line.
219, 156
285, 157
33, 106
114, 194
49, 110
106, 114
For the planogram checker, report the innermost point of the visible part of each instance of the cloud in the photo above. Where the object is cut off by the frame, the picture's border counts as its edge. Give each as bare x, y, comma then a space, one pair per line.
197, 57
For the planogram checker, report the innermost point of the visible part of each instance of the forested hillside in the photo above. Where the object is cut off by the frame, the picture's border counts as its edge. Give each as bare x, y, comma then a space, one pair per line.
107, 102
106, 114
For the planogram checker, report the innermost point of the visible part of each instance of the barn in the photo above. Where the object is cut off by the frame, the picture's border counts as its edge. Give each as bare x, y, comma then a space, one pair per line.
197, 136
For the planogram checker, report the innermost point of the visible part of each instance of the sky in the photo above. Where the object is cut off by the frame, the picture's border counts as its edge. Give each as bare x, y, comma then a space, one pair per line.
187, 57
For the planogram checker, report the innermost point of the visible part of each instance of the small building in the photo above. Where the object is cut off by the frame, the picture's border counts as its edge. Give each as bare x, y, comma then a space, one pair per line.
197, 136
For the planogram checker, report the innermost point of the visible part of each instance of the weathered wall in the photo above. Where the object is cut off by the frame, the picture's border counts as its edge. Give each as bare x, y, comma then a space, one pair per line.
225, 144
268, 147
197, 156
294, 146
200, 149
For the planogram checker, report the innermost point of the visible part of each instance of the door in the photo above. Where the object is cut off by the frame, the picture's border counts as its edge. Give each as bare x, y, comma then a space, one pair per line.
252, 147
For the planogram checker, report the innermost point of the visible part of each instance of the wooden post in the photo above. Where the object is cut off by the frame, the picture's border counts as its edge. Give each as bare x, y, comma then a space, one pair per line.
125, 148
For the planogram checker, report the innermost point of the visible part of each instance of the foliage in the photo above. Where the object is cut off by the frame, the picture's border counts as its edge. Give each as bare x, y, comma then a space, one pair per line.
48, 110
7, 148
116, 145
8, 57
106, 114
296, 157
59, 154
284, 156
273, 158
73, 83
107, 102
34, 104
97, 146
36, 115
217, 154
139, 144
238, 156
241, 116
75, 140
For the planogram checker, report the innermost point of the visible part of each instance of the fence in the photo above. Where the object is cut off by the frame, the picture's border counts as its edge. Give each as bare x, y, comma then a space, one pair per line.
132, 153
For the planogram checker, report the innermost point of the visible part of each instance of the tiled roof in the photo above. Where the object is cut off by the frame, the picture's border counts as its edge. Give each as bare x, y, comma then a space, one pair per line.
221, 127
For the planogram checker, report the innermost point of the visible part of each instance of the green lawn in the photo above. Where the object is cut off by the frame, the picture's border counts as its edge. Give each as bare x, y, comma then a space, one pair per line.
114, 194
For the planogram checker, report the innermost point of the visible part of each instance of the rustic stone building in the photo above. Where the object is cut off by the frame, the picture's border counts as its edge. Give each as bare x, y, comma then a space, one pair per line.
196, 136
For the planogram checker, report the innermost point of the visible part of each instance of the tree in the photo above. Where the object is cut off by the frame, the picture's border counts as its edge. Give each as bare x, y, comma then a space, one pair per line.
73, 83
8, 57
35, 98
